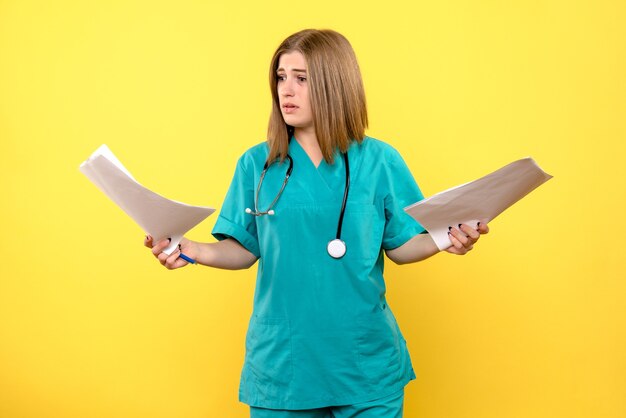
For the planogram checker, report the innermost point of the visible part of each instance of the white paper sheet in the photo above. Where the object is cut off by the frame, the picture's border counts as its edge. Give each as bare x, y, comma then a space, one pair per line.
156, 215
480, 200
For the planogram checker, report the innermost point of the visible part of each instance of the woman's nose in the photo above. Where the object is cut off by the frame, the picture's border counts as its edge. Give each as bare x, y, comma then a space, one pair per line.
286, 88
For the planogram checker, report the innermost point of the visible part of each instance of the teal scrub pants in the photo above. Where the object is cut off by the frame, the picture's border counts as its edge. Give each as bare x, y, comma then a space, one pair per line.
388, 407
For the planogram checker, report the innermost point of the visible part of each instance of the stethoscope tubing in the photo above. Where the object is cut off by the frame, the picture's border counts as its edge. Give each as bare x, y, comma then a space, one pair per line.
336, 248
269, 210
345, 196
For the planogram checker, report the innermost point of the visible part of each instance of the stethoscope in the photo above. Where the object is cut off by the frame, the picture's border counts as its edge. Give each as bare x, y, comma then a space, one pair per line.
336, 247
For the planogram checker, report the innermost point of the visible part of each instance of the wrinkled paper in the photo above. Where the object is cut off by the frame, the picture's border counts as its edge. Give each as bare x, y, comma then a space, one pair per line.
478, 201
156, 215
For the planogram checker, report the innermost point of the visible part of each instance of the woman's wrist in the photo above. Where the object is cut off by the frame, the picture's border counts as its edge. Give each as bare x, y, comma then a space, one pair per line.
204, 253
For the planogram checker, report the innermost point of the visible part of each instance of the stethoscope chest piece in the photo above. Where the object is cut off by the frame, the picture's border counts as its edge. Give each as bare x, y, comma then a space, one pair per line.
336, 248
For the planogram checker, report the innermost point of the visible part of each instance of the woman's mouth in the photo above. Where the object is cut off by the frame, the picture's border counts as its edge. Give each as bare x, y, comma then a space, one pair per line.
289, 108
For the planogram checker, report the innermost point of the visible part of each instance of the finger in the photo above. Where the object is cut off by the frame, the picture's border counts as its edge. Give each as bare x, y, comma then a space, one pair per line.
471, 232
160, 246
174, 261
461, 237
454, 240
453, 250
162, 257
483, 228
187, 253
170, 261
147, 241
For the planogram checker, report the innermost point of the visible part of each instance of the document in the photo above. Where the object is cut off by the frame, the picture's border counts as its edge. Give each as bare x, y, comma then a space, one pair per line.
480, 200
156, 215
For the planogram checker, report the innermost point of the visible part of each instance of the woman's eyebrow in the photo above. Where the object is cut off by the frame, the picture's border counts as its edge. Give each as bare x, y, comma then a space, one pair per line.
293, 70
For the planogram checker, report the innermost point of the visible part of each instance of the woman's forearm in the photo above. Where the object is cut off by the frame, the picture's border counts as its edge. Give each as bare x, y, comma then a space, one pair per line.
227, 254
418, 248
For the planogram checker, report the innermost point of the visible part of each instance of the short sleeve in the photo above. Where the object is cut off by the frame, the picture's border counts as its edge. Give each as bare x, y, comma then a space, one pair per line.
401, 190
233, 221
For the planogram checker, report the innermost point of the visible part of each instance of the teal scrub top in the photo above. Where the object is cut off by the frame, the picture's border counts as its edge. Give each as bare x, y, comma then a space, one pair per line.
321, 332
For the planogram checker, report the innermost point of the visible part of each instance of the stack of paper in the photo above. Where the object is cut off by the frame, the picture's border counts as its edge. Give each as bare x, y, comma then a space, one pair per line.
156, 215
480, 200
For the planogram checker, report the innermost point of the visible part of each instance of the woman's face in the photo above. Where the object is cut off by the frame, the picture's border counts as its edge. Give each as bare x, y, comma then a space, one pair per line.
293, 91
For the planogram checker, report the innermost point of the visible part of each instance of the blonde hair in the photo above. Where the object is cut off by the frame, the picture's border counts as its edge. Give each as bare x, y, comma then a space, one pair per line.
335, 90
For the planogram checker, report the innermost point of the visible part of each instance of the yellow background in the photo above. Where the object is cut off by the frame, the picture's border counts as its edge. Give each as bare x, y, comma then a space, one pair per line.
532, 323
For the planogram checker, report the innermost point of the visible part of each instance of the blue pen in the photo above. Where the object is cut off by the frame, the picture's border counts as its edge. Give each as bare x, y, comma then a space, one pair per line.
187, 259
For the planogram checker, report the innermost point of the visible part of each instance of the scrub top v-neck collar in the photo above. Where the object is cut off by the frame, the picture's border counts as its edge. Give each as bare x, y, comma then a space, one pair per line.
332, 177
293, 139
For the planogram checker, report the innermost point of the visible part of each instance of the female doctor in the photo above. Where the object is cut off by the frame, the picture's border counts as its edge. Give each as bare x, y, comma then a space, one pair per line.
316, 205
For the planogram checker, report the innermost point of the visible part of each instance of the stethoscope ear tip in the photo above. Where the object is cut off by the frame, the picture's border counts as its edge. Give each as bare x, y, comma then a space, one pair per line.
248, 210
270, 212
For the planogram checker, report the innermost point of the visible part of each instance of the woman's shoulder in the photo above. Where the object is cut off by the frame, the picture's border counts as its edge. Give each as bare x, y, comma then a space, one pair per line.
256, 150
379, 148
255, 154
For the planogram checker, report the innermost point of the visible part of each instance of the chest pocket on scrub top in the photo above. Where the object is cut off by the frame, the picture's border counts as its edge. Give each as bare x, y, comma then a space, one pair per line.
363, 228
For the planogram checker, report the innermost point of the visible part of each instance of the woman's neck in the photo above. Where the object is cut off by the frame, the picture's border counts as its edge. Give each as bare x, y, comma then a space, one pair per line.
308, 141
306, 137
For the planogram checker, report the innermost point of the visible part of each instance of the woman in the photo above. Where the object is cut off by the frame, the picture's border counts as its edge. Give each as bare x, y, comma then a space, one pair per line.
316, 205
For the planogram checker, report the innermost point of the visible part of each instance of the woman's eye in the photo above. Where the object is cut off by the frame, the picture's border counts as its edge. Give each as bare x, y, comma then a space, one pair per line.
280, 77
302, 78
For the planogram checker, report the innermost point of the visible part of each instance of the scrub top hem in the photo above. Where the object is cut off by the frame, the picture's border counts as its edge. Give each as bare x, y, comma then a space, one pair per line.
336, 401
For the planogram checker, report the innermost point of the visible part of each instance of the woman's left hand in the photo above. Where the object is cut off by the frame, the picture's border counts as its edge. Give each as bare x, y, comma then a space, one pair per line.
464, 238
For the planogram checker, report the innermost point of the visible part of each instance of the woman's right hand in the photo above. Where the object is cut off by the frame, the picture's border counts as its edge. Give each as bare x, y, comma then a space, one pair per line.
172, 261
227, 254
